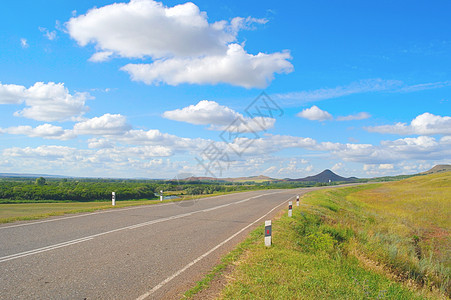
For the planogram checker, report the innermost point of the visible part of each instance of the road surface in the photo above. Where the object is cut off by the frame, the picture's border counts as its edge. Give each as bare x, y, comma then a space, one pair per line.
141, 252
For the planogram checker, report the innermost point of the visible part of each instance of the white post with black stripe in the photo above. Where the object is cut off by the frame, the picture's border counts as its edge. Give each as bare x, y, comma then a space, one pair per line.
161, 195
297, 200
290, 208
268, 232
113, 198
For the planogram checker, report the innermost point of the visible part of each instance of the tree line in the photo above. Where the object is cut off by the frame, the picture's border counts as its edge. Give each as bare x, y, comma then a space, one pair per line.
15, 190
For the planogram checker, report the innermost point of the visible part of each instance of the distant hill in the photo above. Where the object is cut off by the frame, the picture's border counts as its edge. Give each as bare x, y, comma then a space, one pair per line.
260, 178
324, 177
438, 169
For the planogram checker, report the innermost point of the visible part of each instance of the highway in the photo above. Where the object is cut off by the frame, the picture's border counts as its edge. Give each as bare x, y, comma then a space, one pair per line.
140, 252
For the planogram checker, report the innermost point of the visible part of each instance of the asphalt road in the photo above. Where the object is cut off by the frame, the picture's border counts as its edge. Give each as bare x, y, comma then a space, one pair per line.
144, 252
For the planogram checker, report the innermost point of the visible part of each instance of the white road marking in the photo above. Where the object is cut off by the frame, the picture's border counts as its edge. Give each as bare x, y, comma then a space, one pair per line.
87, 238
105, 211
48, 248
161, 284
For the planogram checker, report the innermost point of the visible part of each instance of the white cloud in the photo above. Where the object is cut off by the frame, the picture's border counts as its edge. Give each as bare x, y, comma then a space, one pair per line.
47, 131
148, 28
219, 117
11, 93
184, 46
47, 102
247, 125
134, 149
239, 23
51, 35
386, 166
49, 152
235, 67
24, 43
270, 170
101, 56
294, 168
99, 143
107, 124
314, 113
359, 116
151, 137
424, 124
203, 113
359, 87
337, 166
103, 162
422, 148
425, 86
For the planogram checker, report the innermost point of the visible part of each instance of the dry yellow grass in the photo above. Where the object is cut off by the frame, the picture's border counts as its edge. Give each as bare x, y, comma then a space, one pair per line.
423, 200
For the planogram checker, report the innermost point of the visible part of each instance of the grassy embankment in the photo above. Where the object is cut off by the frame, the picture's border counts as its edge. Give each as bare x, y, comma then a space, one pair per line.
378, 241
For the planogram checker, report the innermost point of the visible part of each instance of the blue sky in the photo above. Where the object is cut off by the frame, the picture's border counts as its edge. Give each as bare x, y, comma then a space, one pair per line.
224, 88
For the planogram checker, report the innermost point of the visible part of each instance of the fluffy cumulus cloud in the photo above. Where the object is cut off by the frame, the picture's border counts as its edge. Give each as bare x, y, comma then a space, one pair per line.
314, 113
107, 124
11, 93
388, 152
148, 28
235, 67
203, 113
137, 148
184, 46
219, 117
47, 131
151, 137
424, 124
45, 101
96, 162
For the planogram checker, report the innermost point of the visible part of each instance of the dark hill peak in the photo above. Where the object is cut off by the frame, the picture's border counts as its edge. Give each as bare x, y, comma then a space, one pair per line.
324, 177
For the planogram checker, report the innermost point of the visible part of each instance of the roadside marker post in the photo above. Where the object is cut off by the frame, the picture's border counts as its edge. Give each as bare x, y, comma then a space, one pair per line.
297, 200
290, 209
268, 233
113, 198
161, 195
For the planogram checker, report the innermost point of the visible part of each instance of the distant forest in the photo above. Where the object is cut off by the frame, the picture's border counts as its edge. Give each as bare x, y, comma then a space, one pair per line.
23, 190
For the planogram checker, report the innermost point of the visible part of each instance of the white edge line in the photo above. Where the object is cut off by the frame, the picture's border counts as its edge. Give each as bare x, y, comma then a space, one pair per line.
161, 284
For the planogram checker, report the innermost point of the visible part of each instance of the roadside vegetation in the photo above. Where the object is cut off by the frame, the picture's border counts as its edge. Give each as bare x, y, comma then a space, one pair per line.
377, 241
48, 190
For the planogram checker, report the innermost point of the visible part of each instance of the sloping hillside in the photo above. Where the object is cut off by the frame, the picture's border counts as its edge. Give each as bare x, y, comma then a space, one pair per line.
324, 177
438, 169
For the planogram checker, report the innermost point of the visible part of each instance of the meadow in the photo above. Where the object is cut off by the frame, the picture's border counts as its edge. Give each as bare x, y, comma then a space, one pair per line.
376, 241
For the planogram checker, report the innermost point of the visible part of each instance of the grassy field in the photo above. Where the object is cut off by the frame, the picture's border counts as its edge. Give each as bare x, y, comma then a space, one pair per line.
33, 211
378, 241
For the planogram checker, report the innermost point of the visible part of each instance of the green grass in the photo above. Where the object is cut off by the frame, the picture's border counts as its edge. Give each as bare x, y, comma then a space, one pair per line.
377, 241
33, 211
12, 212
